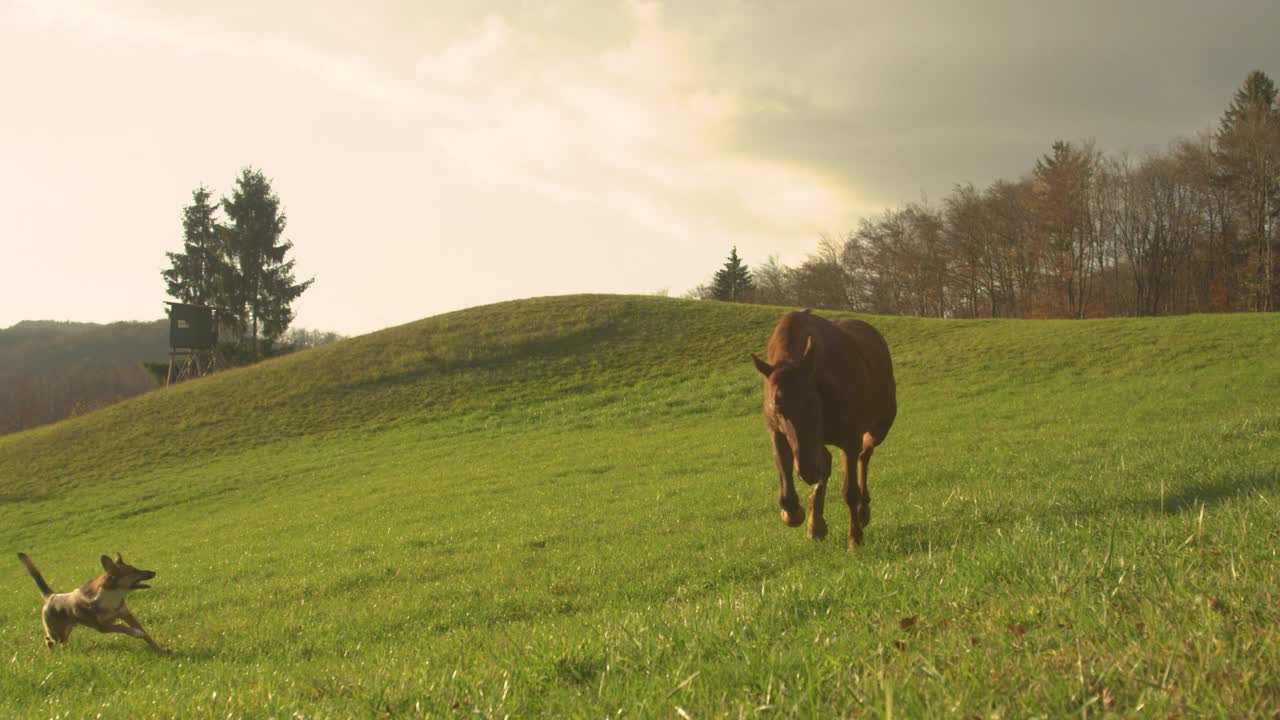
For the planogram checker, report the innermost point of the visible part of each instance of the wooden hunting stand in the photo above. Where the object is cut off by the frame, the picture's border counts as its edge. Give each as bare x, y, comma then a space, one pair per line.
192, 333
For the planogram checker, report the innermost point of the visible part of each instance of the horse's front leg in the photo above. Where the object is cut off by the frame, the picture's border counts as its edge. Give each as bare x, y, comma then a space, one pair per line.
792, 514
817, 525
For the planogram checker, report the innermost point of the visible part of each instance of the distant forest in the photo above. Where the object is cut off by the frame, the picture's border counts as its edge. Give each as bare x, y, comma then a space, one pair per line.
1195, 228
53, 370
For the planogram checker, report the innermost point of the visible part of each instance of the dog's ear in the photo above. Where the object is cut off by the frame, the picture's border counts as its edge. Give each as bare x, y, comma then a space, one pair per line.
107, 564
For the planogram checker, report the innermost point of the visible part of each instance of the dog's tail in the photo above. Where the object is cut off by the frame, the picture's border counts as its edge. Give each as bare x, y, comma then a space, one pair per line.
45, 590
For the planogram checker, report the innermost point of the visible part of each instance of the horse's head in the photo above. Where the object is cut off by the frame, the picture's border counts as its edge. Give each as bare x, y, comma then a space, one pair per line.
793, 407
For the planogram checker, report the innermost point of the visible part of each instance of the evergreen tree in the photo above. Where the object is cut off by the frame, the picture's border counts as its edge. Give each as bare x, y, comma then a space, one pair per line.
732, 282
1254, 100
195, 275
264, 285
241, 266
1248, 153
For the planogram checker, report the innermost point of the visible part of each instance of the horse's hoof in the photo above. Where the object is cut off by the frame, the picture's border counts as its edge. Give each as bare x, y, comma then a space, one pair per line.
793, 519
865, 516
818, 532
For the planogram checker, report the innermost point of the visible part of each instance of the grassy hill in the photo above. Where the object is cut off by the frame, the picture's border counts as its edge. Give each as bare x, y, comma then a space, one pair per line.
565, 507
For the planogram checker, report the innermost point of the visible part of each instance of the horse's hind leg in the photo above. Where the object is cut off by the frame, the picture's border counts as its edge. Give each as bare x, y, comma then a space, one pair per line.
852, 498
864, 466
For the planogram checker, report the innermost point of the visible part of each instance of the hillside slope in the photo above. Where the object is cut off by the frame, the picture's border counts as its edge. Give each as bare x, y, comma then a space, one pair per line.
565, 506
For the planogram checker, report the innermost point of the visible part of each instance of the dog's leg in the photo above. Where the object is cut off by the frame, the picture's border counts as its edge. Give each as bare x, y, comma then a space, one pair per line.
130, 631
48, 636
133, 623
57, 628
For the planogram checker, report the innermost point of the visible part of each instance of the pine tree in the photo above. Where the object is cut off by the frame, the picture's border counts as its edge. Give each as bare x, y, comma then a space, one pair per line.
1255, 99
264, 285
241, 266
732, 282
195, 275
1248, 151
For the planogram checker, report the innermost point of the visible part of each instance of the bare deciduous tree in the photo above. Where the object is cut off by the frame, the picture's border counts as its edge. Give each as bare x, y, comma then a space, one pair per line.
1192, 229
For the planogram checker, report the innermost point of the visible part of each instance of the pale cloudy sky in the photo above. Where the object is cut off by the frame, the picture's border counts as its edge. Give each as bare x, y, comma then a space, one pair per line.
437, 155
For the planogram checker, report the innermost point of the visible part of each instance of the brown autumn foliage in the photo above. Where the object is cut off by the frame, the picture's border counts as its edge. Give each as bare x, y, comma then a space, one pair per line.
53, 370
1195, 228
50, 371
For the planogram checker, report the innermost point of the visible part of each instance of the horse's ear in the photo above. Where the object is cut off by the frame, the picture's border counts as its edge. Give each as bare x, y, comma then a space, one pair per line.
807, 360
107, 564
764, 367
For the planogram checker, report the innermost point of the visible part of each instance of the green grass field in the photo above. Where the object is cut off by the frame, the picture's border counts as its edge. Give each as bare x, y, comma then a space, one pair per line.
565, 507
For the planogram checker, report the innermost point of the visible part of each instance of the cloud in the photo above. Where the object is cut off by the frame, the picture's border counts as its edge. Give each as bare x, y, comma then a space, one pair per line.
590, 126
459, 61
350, 75
622, 128
887, 101
629, 123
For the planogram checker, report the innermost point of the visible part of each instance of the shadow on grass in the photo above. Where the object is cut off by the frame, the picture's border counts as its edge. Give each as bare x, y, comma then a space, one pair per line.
1191, 496
973, 528
16, 498
547, 347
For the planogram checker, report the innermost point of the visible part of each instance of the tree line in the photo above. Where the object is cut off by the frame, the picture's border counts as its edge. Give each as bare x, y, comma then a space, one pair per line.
53, 370
1195, 228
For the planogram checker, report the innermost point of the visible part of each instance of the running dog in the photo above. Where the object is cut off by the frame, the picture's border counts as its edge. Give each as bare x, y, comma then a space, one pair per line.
98, 603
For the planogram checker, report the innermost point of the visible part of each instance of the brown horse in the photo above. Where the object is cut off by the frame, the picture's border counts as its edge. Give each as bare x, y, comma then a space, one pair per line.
826, 384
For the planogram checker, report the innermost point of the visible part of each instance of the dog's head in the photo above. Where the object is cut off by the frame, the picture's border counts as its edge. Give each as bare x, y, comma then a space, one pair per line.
123, 576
